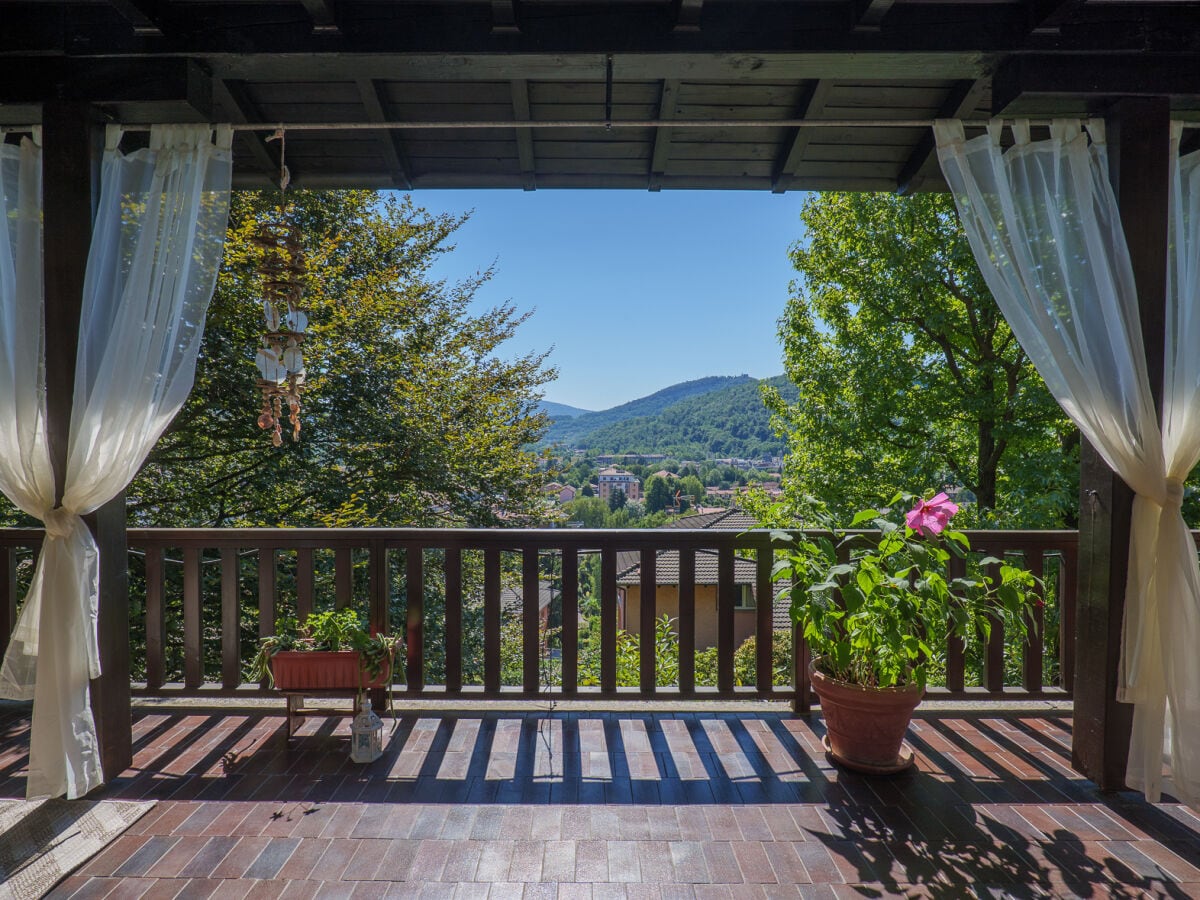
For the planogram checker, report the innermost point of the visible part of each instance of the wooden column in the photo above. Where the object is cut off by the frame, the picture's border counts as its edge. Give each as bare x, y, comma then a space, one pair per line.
70, 187
1138, 146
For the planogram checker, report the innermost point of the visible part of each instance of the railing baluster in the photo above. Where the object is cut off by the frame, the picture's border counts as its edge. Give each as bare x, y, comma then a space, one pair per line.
570, 620
454, 617
193, 649
231, 636
802, 702
1067, 580
266, 593
726, 588
491, 620
343, 569
648, 674
531, 655
687, 621
993, 658
156, 626
608, 619
956, 670
414, 591
764, 644
304, 583
1035, 621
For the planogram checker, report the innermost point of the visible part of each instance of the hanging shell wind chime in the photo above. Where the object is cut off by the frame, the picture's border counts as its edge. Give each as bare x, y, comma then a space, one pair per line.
280, 360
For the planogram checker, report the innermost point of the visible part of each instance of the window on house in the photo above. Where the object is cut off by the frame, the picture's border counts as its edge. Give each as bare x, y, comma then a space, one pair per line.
745, 597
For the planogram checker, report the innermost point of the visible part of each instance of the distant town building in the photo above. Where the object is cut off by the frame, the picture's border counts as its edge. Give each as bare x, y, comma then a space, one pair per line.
613, 479
560, 493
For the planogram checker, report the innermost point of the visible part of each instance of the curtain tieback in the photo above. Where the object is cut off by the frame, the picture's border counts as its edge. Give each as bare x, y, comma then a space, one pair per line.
1174, 494
59, 522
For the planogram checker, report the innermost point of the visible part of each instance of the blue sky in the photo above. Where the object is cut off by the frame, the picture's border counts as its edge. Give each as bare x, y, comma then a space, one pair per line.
634, 291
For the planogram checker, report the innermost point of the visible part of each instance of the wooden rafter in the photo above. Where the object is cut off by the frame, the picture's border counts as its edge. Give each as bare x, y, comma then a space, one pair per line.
322, 14
869, 14
811, 105
233, 97
963, 98
371, 93
1048, 15
667, 104
504, 17
520, 101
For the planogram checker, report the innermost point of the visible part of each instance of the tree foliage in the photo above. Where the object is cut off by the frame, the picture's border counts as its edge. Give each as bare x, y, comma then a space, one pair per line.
411, 416
909, 377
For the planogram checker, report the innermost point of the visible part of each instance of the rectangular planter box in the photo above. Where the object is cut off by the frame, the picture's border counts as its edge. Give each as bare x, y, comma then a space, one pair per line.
323, 670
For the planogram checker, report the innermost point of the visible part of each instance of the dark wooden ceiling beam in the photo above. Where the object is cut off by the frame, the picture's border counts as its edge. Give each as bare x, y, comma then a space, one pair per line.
869, 14
157, 90
1050, 15
242, 110
504, 17
963, 98
323, 16
667, 104
520, 102
811, 105
1086, 84
372, 96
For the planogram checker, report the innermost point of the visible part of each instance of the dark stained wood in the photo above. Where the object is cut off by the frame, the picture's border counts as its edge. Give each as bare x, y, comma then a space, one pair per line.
764, 644
811, 105
531, 656
1138, 136
231, 638
304, 583
156, 626
343, 576
1067, 569
870, 14
323, 16
993, 654
266, 592
454, 619
504, 17
110, 693
491, 619
520, 105
570, 620
193, 648
414, 592
142, 15
372, 95
648, 673
801, 683
687, 621
232, 97
662, 135
1028, 85
380, 588
962, 100
8, 596
955, 646
608, 618
687, 15
1035, 621
726, 597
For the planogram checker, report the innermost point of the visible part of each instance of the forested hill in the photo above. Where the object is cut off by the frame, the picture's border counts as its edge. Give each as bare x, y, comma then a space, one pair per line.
730, 421
561, 410
570, 431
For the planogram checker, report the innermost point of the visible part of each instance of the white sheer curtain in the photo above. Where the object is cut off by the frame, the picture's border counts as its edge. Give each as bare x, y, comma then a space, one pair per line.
155, 251
1045, 229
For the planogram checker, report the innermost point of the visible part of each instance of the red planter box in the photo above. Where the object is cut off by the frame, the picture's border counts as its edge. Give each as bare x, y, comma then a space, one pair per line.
323, 670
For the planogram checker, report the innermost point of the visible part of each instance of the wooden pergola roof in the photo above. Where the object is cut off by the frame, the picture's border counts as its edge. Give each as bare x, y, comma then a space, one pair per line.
723, 90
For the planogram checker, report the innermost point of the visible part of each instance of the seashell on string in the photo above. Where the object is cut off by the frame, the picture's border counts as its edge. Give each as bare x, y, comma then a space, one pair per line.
269, 366
293, 360
271, 314
297, 321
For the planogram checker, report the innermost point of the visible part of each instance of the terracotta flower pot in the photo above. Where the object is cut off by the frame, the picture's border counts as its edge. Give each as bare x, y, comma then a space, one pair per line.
324, 670
866, 726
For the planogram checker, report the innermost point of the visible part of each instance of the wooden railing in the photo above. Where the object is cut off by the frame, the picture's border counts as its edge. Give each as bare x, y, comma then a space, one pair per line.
198, 589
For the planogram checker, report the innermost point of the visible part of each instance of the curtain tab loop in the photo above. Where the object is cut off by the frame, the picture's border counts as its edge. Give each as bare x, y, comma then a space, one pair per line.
1020, 130
60, 521
112, 137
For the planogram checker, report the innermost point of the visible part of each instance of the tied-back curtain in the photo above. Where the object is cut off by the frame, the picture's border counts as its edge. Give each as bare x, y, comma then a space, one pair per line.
1045, 229
152, 265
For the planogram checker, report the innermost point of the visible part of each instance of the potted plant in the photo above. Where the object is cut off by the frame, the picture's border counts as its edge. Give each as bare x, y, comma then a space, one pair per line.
330, 650
877, 616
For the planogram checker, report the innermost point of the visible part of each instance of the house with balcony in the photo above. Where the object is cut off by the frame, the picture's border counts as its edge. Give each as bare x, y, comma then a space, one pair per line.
612, 479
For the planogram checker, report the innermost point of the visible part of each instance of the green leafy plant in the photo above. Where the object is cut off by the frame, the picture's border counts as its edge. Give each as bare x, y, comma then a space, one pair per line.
877, 607
342, 629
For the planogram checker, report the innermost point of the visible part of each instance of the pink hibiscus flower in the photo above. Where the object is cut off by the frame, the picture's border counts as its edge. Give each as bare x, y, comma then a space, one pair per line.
931, 515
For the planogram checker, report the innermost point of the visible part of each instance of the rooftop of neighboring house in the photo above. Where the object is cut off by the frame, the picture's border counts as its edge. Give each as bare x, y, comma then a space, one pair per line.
613, 471
510, 598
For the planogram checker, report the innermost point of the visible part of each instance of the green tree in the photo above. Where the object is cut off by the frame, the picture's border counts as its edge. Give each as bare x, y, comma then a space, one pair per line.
616, 500
909, 377
658, 494
412, 414
692, 489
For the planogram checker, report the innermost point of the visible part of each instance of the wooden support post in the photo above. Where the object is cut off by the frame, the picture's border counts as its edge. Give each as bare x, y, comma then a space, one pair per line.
1138, 146
70, 185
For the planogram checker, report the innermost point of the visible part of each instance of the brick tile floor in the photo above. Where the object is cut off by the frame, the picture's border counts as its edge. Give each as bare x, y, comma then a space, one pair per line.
582, 804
